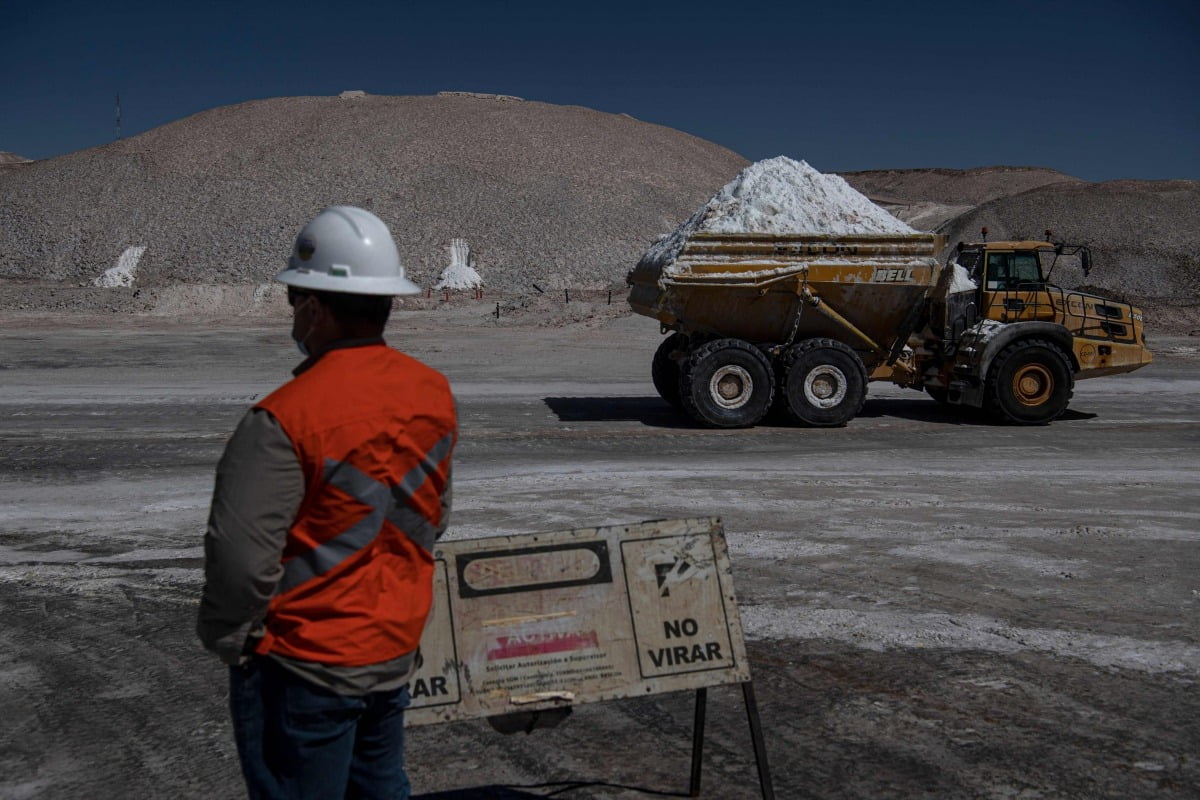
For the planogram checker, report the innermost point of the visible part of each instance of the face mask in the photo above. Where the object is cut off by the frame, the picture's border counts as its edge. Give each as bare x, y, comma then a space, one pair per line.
301, 342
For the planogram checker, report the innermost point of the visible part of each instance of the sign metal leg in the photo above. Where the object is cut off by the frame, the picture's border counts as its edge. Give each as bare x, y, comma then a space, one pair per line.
760, 748
698, 742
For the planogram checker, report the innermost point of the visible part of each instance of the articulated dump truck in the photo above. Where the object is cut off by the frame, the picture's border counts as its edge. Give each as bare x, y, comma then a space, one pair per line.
802, 323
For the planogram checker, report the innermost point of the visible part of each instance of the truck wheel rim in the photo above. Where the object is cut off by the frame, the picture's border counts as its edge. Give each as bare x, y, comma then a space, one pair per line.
825, 387
731, 386
1032, 384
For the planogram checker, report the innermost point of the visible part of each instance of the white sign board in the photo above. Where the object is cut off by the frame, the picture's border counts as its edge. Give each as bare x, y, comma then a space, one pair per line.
524, 623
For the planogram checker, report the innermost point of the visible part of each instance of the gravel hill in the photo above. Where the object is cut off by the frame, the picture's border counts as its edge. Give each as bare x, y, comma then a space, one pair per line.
927, 198
561, 195
9, 161
951, 186
1144, 235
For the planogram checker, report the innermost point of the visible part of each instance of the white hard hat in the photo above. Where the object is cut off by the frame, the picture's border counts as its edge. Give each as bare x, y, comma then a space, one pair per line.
347, 249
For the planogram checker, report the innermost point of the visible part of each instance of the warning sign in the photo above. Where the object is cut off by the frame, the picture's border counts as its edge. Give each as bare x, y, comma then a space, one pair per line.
674, 636
540, 620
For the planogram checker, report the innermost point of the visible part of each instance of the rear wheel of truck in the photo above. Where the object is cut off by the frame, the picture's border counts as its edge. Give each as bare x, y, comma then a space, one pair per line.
825, 383
664, 370
726, 383
1029, 383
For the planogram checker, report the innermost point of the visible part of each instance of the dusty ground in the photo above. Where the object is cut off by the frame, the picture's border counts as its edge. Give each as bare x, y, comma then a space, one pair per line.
935, 607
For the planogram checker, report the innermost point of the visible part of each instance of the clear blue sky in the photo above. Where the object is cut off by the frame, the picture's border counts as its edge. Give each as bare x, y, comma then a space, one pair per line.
1098, 89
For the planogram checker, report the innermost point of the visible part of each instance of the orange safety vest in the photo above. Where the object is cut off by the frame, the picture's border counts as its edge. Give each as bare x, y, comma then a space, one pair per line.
373, 430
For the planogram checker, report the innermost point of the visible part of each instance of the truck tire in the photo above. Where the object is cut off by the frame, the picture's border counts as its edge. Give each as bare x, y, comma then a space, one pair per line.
938, 393
726, 383
1029, 383
664, 370
825, 383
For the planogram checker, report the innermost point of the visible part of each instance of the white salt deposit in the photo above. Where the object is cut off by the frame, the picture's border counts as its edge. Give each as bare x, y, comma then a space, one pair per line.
962, 280
459, 274
123, 274
781, 196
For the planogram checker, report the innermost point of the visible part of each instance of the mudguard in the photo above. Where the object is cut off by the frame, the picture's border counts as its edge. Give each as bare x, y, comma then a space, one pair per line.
979, 345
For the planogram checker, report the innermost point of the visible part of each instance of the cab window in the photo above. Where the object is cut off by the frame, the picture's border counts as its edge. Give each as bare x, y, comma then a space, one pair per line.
1012, 271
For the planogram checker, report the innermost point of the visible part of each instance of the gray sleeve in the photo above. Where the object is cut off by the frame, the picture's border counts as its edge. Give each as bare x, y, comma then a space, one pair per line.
447, 501
259, 488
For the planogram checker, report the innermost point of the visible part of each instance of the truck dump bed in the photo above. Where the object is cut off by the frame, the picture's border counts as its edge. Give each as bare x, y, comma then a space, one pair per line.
773, 288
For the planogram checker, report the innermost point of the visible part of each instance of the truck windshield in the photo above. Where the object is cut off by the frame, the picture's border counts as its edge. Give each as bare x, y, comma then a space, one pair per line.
1010, 271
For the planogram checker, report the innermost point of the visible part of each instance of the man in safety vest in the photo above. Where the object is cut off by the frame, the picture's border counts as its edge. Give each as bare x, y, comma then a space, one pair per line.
328, 498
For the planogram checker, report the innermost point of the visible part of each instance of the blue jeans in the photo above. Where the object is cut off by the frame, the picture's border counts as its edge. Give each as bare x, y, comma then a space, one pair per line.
298, 741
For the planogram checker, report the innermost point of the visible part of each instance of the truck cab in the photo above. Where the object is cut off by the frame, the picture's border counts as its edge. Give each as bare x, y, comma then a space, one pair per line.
1013, 280
1013, 343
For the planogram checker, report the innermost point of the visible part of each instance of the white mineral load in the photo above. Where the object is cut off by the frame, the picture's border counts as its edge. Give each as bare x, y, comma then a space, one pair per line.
780, 196
460, 274
962, 280
122, 275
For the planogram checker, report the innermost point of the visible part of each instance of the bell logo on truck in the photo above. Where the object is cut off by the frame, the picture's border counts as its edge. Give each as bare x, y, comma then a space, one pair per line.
892, 275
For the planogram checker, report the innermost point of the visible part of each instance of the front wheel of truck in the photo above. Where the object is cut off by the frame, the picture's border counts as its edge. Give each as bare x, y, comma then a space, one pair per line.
726, 383
825, 383
1029, 383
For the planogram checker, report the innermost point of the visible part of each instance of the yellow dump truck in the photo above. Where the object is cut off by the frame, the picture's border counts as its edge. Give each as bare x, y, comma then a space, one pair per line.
803, 322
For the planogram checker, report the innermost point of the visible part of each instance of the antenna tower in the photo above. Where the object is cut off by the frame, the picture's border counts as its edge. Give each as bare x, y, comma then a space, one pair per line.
118, 116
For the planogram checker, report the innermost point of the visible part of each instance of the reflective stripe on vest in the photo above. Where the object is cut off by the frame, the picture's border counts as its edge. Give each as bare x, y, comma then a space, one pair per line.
386, 502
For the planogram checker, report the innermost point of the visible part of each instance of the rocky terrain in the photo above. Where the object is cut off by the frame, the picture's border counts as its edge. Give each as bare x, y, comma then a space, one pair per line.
12, 161
557, 195
1144, 235
933, 606
928, 198
201, 212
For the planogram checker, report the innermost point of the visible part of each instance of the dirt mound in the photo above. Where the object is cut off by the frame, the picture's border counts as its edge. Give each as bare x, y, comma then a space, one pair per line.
951, 186
1144, 235
928, 198
12, 161
561, 195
